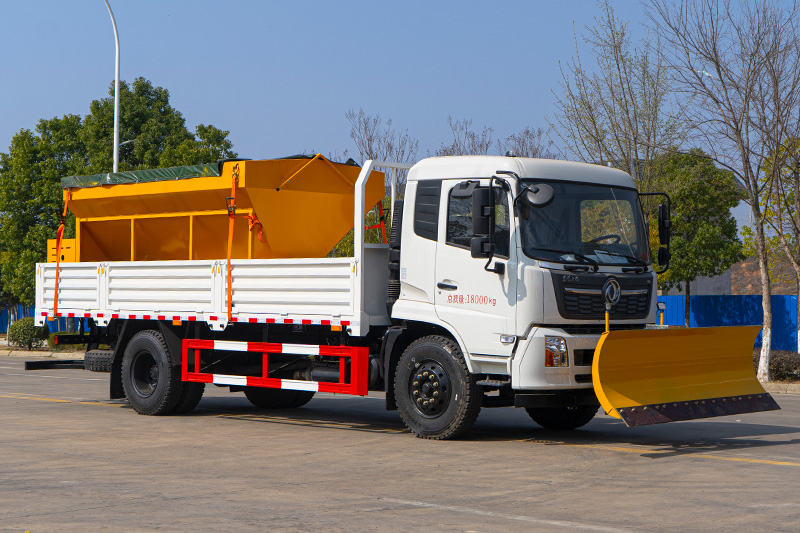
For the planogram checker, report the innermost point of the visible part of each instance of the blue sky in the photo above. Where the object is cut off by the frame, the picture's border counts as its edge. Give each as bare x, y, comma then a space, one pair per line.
281, 75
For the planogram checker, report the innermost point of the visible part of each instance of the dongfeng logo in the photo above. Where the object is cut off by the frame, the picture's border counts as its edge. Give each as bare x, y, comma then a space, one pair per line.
611, 291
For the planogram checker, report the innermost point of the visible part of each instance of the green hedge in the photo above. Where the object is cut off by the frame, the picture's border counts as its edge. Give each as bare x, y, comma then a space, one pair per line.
26, 334
783, 365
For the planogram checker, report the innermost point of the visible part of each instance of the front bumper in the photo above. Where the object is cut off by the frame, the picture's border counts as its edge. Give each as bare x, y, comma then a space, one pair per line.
529, 373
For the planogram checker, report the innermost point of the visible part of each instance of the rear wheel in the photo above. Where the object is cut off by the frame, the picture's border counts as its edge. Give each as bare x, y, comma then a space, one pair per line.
301, 398
562, 417
190, 397
437, 397
98, 360
270, 398
152, 385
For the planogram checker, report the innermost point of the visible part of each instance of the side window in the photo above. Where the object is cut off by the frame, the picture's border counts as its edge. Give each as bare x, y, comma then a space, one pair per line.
459, 222
426, 209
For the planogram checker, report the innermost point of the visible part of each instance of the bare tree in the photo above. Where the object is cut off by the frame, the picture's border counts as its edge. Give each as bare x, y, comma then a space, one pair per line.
529, 143
737, 65
380, 141
465, 140
619, 115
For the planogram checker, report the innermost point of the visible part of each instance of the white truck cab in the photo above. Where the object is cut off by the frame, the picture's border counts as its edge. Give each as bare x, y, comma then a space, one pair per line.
531, 309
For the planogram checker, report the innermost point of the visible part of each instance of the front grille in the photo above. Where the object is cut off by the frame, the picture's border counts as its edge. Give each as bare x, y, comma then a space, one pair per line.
583, 378
579, 296
592, 305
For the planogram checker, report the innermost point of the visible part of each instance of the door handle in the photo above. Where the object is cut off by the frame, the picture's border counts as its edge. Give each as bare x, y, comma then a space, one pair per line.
447, 286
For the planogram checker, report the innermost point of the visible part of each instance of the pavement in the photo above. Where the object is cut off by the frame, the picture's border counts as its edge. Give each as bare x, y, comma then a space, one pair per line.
73, 460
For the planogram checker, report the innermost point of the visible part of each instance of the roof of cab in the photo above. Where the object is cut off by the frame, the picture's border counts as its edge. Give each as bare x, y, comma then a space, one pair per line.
485, 166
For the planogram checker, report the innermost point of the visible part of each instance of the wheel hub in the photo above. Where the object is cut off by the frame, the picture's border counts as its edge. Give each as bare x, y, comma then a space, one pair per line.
430, 389
144, 374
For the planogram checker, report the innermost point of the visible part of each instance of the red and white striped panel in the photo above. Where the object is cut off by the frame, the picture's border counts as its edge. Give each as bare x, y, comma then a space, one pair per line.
270, 347
200, 318
357, 384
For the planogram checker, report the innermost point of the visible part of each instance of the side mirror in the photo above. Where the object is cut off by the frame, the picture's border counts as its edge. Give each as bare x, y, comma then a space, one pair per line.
664, 225
482, 212
663, 258
537, 195
481, 247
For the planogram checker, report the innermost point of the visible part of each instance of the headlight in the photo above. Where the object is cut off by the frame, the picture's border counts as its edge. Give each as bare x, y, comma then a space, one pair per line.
555, 352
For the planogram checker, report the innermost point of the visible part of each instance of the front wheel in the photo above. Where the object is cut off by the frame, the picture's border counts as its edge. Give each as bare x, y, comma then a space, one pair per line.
562, 417
437, 397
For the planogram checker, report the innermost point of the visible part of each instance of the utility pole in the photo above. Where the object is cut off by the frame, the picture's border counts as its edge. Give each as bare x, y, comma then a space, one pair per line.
116, 91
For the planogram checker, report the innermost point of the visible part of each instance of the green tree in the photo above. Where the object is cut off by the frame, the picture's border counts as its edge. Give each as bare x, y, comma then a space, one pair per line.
30, 173
30, 198
705, 240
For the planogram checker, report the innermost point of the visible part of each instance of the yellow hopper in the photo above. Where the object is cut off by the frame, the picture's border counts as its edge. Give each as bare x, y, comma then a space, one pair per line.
304, 205
666, 375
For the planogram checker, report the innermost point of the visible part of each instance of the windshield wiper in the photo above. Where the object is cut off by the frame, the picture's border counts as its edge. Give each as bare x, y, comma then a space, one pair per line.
634, 260
582, 257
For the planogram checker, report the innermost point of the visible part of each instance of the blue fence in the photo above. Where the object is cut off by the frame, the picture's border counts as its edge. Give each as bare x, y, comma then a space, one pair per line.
22, 311
707, 311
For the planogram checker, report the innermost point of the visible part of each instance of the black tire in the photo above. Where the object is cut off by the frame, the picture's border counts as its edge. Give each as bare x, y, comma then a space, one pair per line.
562, 417
152, 385
190, 397
443, 404
98, 360
301, 398
270, 398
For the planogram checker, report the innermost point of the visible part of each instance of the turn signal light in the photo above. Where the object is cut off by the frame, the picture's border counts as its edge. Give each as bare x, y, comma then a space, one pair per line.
555, 352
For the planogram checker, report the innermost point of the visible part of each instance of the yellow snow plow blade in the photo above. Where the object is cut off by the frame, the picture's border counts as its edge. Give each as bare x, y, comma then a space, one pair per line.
664, 375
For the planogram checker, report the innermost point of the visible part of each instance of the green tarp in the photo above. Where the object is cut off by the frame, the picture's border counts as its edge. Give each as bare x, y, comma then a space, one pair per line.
140, 176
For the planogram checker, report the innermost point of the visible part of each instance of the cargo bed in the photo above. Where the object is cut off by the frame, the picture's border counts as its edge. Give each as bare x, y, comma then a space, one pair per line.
326, 291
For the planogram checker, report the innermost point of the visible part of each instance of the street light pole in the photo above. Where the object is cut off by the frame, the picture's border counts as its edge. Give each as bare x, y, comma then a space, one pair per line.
116, 92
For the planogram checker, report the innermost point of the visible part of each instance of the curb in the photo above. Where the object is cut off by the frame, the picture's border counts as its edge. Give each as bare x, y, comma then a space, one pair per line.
41, 354
782, 388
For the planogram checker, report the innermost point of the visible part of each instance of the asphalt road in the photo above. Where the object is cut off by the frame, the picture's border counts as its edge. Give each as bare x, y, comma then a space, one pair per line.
71, 460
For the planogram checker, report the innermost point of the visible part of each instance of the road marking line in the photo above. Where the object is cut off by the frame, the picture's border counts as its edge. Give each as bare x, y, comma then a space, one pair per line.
32, 398
521, 518
743, 460
55, 377
18, 396
679, 453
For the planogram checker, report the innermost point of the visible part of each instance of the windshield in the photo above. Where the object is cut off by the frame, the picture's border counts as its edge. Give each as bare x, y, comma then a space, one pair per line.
591, 224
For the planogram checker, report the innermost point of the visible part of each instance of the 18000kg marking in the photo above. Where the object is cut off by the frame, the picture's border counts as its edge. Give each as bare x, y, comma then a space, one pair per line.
475, 299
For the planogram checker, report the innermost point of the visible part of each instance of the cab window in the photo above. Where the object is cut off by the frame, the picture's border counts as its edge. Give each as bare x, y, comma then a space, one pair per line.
459, 222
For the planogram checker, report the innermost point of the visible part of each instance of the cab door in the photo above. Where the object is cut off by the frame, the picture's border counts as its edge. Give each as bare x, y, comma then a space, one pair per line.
478, 304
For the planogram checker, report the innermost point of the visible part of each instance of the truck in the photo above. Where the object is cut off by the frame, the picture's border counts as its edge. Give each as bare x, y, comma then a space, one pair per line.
504, 281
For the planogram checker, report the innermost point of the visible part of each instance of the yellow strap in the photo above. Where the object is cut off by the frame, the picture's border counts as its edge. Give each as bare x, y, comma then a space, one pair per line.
59, 235
231, 218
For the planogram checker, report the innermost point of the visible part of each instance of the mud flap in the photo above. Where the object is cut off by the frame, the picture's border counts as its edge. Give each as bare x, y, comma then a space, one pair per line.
655, 376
